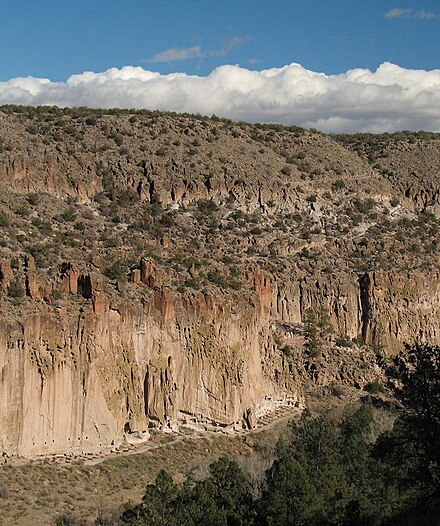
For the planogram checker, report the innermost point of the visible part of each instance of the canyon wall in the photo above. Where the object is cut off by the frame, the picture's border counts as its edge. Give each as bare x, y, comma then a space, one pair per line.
241, 231
387, 310
74, 381
86, 377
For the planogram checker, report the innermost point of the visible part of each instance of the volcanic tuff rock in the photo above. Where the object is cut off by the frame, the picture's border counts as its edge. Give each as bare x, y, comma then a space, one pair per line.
76, 381
158, 269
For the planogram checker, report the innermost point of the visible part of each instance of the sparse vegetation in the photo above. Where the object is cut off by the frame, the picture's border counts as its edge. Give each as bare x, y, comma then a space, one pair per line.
4, 219
146, 203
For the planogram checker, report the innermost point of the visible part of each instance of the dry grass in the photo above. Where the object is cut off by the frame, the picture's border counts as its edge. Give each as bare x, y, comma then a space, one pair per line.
38, 492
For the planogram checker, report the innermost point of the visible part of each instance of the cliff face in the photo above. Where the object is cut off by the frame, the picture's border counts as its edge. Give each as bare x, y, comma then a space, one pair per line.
401, 308
158, 269
82, 381
26, 174
386, 310
74, 382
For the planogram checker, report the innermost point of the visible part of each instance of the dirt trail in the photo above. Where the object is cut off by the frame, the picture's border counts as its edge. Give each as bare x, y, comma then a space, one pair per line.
265, 422
163, 440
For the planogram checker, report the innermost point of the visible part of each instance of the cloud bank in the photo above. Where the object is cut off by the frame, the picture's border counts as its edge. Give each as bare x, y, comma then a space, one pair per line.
388, 99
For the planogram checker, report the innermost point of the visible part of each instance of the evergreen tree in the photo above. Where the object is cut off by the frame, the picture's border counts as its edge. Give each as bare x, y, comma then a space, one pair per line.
410, 452
223, 499
323, 476
157, 506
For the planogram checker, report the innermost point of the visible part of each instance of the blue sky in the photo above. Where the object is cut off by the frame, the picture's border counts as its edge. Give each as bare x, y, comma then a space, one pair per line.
335, 65
56, 38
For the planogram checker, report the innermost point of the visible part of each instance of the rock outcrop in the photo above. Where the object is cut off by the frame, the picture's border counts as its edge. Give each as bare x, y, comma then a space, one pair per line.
158, 269
86, 381
91, 378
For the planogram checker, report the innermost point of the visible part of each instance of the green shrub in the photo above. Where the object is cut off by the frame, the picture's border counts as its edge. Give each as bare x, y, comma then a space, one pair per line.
339, 184
206, 206
374, 388
68, 215
15, 290
115, 271
23, 211
4, 219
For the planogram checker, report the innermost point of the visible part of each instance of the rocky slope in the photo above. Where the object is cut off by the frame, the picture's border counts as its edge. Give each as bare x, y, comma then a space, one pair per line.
158, 269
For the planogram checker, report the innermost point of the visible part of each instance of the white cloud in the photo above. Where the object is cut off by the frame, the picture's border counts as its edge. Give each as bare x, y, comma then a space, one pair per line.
185, 53
390, 98
402, 12
398, 12
425, 15
173, 54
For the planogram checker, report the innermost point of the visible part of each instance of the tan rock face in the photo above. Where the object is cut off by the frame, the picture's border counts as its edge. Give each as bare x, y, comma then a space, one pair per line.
30, 173
149, 274
70, 277
79, 385
5, 274
386, 310
401, 308
74, 382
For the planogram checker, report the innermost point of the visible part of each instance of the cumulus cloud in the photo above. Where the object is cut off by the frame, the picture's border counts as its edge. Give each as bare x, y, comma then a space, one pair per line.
185, 53
402, 12
390, 98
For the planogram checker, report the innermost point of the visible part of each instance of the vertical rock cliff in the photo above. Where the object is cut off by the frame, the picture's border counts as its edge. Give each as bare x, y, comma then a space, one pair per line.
75, 381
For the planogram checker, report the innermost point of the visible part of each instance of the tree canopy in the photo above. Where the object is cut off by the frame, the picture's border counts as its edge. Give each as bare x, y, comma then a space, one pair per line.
327, 473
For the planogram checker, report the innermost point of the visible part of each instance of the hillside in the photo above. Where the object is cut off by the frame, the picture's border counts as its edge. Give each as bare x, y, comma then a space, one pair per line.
158, 269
